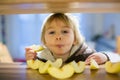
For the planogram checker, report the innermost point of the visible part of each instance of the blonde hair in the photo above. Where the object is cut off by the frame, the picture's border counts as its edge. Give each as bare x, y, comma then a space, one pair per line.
67, 19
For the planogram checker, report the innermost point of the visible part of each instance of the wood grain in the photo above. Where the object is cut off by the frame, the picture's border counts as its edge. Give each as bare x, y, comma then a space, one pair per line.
51, 1
118, 44
21, 72
49, 6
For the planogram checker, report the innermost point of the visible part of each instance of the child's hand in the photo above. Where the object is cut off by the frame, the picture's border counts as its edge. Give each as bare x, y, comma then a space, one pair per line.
98, 57
30, 53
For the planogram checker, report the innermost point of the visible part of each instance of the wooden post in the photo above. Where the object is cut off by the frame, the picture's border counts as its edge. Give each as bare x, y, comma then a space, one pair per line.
118, 44
5, 56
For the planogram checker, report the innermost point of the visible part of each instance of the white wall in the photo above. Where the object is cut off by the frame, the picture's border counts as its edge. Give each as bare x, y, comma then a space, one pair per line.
109, 20
98, 24
22, 31
86, 26
20, 34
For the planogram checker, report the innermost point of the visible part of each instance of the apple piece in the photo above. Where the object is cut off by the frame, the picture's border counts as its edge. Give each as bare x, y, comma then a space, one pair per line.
75, 66
37, 64
29, 63
78, 67
112, 67
34, 64
93, 64
81, 65
37, 48
43, 68
57, 63
64, 72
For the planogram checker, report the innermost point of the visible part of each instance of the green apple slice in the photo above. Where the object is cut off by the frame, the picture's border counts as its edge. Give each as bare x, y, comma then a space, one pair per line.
37, 48
34, 64
93, 64
61, 73
112, 67
81, 65
30, 63
44, 67
78, 67
57, 63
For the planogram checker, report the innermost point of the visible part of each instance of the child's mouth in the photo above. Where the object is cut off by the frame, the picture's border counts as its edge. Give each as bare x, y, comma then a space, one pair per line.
59, 46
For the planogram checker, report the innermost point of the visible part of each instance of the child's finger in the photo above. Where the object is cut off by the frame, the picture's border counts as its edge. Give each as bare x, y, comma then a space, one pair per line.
28, 48
30, 56
87, 61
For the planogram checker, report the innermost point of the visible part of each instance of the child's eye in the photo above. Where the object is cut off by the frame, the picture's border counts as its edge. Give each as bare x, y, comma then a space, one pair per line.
51, 32
65, 31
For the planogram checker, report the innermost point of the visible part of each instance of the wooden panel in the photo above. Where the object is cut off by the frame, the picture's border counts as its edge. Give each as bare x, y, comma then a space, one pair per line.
118, 44
50, 1
20, 72
5, 56
60, 7
47, 6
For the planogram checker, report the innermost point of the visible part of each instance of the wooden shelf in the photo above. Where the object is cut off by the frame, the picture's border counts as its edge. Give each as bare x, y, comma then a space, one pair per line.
51, 1
48, 6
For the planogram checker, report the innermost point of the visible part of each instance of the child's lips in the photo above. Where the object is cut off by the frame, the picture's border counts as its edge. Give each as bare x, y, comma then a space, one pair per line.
59, 45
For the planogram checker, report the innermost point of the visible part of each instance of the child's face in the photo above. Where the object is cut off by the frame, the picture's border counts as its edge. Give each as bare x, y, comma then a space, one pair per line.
59, 38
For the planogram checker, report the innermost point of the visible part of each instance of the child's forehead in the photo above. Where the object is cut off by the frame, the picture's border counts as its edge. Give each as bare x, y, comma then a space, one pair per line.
57, 23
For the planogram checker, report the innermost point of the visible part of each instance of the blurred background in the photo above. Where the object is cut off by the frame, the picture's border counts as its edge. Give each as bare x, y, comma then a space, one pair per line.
18, 31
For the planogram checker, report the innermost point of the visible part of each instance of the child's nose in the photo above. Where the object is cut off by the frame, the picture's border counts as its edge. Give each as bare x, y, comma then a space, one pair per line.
58, 38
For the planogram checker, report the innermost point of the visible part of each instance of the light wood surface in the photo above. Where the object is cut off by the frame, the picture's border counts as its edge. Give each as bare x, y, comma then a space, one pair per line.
5, 56
19, 71
51, 1
118, 44
48, 6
